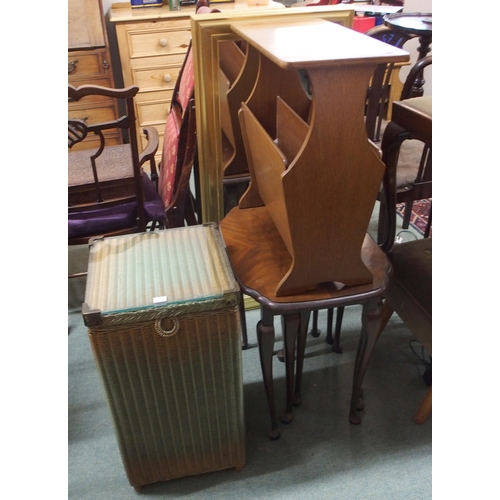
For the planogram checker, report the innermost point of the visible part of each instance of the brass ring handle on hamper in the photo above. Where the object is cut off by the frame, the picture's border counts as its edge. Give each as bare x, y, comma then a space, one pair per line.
72, 65
167, 333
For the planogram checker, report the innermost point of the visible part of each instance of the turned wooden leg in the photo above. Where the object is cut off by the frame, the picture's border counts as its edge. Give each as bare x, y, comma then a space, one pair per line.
334, 340
407, 214
329, 327
290, 325
387, 312
336, 347
314, 329
265, 337
301, 348
425, 408
429, 224
370, 331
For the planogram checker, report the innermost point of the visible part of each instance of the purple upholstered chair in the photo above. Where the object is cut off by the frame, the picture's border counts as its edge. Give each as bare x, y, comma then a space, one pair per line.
108, 191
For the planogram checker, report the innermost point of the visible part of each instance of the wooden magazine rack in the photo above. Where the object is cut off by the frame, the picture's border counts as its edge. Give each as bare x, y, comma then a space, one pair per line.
310, 161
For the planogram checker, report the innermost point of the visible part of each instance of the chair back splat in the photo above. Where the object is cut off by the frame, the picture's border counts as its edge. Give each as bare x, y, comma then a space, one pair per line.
108, 191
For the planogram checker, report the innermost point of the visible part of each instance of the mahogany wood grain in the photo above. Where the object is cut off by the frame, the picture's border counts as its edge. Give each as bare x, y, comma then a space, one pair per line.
259, 258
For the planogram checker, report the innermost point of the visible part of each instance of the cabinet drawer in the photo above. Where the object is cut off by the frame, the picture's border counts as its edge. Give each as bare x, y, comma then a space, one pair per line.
158, 42
87, 64
156, 78
152, 112
92, 115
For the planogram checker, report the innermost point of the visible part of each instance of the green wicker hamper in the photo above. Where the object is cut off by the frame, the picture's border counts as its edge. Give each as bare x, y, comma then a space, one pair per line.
162, 315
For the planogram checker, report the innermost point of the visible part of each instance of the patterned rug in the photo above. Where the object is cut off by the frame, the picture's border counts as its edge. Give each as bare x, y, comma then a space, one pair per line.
419, 214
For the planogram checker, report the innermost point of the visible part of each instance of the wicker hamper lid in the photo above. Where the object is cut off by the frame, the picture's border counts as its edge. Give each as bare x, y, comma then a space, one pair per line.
157, 269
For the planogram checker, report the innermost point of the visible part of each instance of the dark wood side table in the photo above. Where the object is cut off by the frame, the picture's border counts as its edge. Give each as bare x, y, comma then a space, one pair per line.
416, 23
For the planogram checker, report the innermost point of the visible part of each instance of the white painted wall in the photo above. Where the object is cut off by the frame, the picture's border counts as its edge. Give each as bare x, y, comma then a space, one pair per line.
106, 4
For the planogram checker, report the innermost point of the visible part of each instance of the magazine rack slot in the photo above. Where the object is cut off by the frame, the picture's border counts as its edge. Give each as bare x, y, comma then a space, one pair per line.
239, 72
268, 163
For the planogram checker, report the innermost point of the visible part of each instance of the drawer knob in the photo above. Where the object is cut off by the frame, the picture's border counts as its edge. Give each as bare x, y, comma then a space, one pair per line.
163, 42
167, 78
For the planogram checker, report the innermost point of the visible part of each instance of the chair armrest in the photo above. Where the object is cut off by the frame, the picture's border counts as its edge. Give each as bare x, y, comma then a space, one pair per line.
148, 154
415, 71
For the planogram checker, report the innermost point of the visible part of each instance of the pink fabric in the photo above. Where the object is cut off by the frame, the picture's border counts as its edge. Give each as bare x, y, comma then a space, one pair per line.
169, 157
186, 86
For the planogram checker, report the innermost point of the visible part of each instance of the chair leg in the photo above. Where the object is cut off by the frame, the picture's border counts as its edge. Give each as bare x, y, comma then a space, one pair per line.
334, 340
314, 329
429, 224
301, 348
290, 325
329, 327
407, 214
425, 408
190, 212
265, 337
370, 331
387, 312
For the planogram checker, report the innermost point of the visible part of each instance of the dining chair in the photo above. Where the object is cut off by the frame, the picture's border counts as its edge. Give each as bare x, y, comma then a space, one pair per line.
409, 292
109, 193
385, 83
415, 181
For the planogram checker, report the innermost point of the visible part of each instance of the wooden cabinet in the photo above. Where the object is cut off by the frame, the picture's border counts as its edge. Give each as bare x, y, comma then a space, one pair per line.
89, 62
152, 44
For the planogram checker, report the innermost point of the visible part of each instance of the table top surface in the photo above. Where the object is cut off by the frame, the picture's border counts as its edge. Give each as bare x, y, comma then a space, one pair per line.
297, 44
158, 268
410, 22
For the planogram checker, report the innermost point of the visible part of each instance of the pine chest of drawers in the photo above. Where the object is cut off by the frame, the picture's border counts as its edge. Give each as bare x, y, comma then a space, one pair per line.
152, 45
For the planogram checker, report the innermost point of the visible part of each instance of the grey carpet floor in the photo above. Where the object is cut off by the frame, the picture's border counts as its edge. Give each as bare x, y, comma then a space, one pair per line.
320, 455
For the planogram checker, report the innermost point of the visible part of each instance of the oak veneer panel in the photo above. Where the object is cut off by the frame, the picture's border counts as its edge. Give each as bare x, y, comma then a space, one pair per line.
281, 45
322, 203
